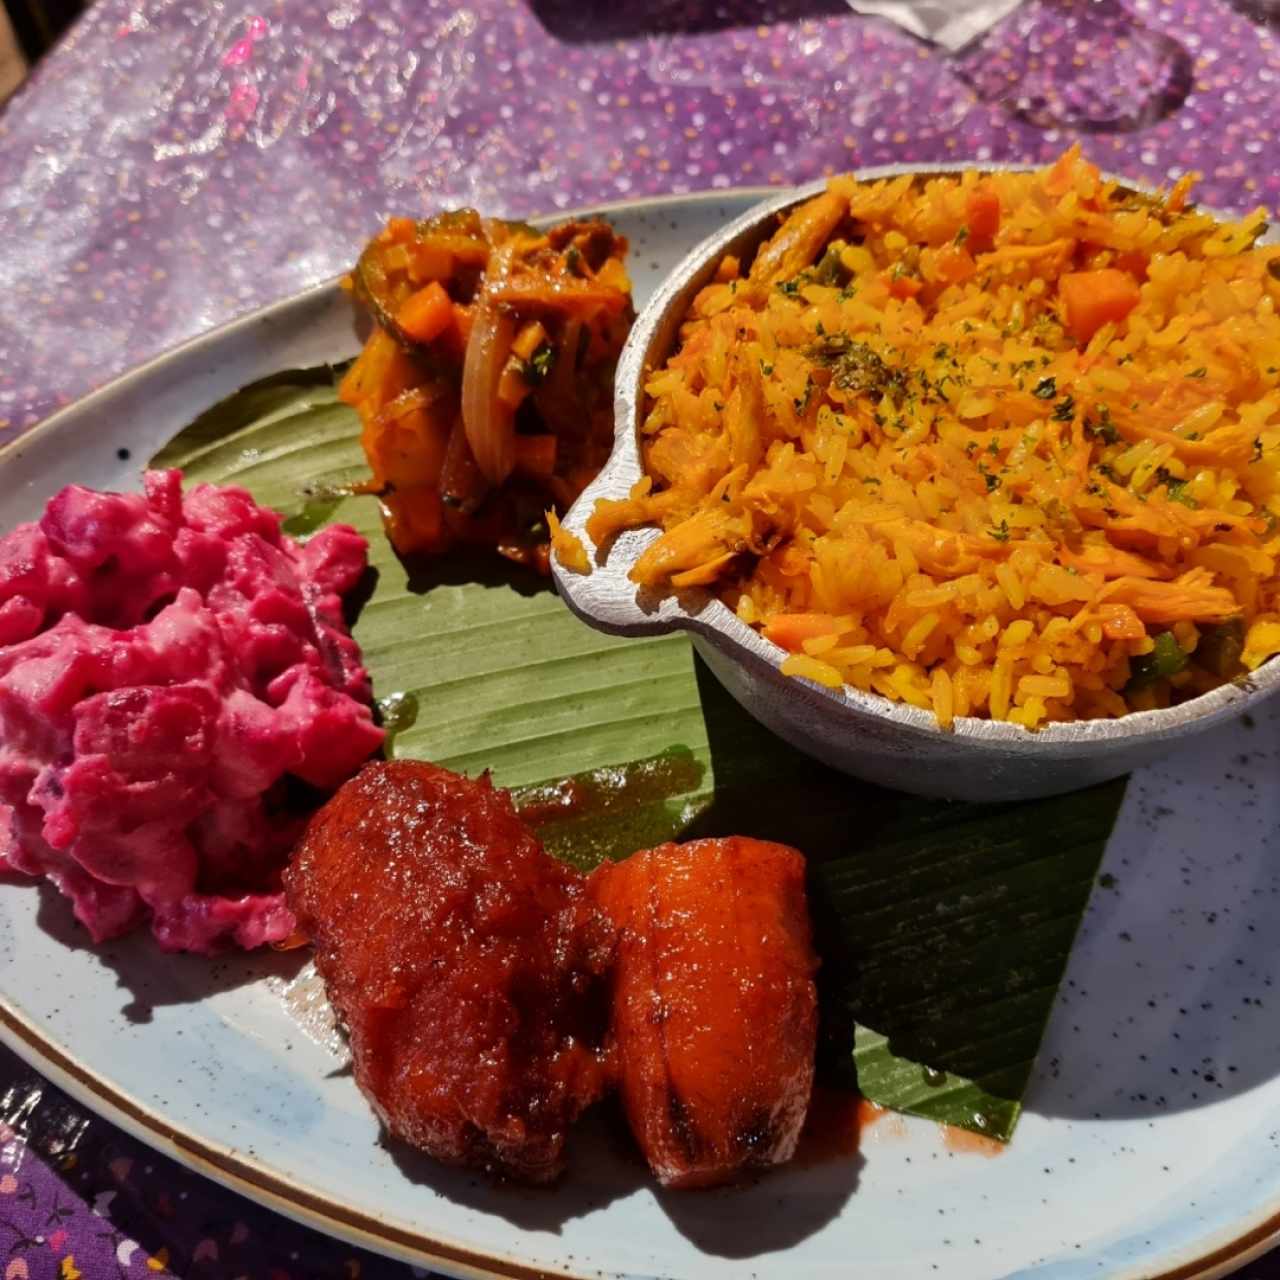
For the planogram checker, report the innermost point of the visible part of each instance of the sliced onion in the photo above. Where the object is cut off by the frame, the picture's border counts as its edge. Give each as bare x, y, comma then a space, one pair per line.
490, 425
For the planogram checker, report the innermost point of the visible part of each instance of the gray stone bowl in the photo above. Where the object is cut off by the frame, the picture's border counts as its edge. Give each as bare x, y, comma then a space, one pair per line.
862, 734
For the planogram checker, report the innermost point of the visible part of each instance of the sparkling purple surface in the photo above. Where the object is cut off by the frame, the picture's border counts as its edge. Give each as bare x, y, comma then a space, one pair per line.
173, 165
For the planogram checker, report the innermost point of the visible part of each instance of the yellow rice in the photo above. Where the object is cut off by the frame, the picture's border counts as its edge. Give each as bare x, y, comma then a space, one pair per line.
916, 480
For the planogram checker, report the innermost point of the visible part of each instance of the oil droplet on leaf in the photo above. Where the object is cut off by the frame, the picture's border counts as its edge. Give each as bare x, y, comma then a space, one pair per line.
316, 511
398, 712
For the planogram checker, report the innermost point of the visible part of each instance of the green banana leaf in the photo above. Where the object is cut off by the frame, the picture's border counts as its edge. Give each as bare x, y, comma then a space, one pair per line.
944, 928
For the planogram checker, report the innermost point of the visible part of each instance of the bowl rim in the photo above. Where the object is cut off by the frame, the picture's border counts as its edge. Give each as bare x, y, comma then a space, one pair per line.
705, 615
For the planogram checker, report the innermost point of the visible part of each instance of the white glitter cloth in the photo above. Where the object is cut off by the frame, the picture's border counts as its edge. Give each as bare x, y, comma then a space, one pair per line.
950, 23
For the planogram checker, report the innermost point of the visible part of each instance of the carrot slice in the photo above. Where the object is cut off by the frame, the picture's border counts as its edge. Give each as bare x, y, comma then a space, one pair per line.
791, 630
453, 341
415, 520
528, 340
982, 214
1119, 622
512, 385
902, 287
425, 315
1134, 264
1091, 299
955, 266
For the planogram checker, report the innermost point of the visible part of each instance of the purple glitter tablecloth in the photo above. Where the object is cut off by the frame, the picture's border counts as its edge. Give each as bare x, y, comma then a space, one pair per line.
175, 163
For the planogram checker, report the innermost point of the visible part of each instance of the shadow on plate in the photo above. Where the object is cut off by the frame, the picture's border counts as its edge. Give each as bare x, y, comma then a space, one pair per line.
601, 1169
773, 1214
151, 978
764, 1215
1169, 1000
1165, 1004
594, 22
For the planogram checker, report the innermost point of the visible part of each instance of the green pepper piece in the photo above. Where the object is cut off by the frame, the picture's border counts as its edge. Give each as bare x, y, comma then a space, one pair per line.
830, 269
1165, 660
1220, 648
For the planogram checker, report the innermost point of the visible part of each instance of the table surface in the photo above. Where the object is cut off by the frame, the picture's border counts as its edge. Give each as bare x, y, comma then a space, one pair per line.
175, 163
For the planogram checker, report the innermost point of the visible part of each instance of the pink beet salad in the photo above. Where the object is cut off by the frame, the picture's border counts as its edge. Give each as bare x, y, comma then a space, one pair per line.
167, 664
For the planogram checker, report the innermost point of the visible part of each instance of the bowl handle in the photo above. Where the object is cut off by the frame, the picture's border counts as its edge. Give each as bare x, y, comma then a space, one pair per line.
606, 598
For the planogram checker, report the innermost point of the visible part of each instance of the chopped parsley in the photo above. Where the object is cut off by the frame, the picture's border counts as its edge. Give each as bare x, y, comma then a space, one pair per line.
1198, 373
1165, 660
1064, 410
855, 366
1104, 428
961, 236
535, 369
1001, 533
1175, 488
831, 270
802, 402
1045, 389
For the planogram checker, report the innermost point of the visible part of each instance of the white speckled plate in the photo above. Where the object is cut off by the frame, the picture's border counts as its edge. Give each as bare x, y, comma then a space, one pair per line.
1151, 1143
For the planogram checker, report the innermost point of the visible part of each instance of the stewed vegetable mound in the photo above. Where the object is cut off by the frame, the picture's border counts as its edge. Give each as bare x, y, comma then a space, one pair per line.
485, 389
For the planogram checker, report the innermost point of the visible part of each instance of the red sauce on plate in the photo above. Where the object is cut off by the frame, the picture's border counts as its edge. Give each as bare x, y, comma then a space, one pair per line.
970, 1143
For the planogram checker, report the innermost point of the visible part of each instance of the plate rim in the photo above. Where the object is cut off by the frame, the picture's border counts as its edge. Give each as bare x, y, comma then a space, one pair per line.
247, 1177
